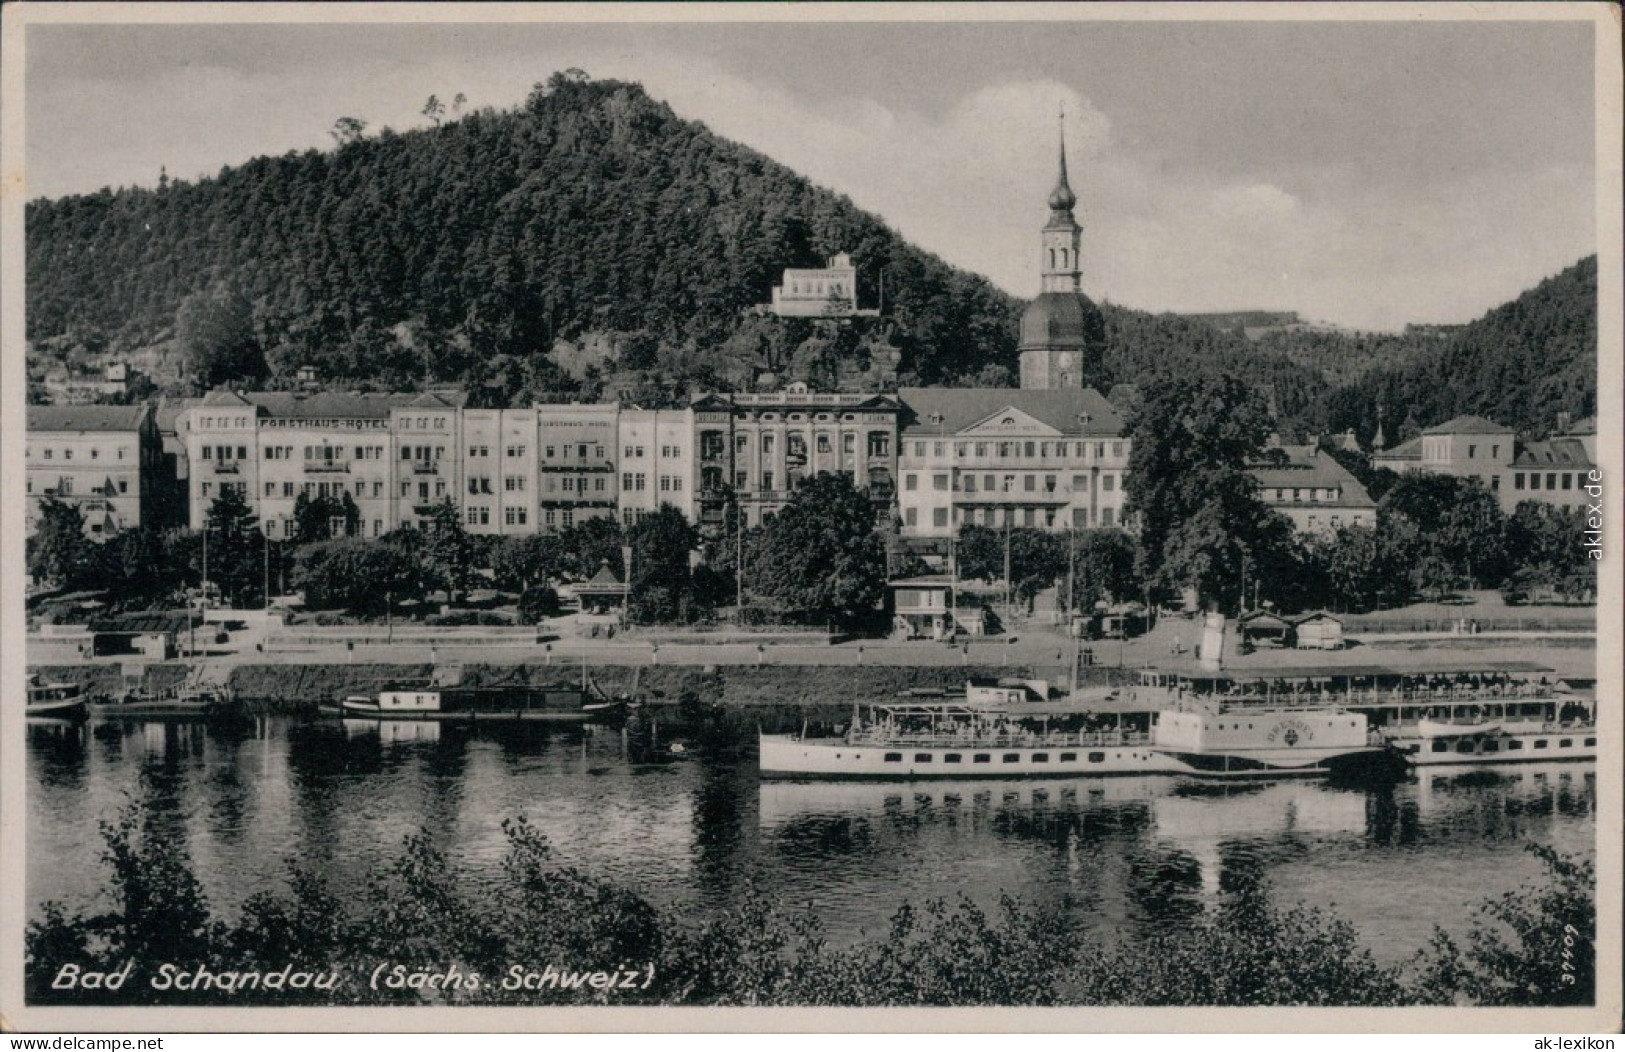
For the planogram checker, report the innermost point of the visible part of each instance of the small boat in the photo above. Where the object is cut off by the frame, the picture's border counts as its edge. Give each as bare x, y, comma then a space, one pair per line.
1429, 728
55, 701
425, 702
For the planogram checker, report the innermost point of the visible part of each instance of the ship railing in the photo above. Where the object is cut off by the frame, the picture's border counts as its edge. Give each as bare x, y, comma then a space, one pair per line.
1396, 696
1057, 740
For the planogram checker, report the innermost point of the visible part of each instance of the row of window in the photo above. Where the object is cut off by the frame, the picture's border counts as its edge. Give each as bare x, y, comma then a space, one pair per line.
983, 757
1007, 483
1082, 518
666, 452
1469, 746
1080, 450
280, 529
637, 482
1315, 493
1553, 478
713, 443
64, 487
481, 516
49, 453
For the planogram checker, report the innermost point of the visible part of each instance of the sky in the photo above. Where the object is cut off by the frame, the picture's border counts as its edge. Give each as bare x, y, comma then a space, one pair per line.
1363, 174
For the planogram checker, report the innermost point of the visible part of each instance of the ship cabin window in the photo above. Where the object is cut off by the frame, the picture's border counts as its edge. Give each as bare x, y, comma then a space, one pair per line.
1040, 757
1591, 741
1514, 745
1491, 746
952, 757
894, 757
1465, 745
1566, 743
1440, 746
981, 757
1097, 757
922, 757
1012, 757
1069, 757
1540, 743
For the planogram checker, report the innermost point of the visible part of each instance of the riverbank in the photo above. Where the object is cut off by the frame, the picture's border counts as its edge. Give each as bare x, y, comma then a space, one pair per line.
293, 689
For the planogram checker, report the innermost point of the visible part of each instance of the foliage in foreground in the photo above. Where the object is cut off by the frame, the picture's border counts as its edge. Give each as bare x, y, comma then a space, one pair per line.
422, 915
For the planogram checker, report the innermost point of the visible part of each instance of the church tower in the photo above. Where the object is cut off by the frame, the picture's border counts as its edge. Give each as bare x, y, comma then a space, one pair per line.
1063, 334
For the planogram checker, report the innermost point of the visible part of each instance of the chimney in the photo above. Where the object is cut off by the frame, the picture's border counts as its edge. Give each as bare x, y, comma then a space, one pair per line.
1563, 421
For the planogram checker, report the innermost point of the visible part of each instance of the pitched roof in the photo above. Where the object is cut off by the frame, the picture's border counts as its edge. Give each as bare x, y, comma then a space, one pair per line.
961, 408
169, 411
1584, 426
1316, 471
1411, 450
333, 405
86, 417
1554, 452
1468, 425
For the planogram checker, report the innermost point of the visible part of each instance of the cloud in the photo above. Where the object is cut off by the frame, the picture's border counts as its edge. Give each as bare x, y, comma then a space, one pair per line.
964, 174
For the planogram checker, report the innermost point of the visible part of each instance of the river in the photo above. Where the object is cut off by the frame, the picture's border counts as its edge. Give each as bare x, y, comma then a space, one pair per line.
1134, 854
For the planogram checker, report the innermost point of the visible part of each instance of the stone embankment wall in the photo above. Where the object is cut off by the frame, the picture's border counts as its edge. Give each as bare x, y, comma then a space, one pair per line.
289, 688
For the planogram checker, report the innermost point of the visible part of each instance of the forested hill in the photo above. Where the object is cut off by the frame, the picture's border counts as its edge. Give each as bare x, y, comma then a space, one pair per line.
1520, 364
590, 242
591, 208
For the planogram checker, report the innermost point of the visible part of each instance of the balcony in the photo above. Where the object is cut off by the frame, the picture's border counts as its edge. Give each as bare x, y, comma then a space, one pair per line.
1015, 496
424, 467
572, 466
226, 467
327, 467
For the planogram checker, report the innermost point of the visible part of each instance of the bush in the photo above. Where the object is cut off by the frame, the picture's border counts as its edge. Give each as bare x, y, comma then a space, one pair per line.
464, 618
538, 603
422, 911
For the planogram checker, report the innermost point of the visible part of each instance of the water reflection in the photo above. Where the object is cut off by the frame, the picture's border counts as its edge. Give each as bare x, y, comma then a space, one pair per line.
696, 832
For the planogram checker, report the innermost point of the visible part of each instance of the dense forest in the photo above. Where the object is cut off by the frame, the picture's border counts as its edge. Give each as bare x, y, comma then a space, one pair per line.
590, 242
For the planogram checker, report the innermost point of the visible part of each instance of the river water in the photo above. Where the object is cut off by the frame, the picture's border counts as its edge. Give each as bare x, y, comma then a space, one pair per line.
1135, 854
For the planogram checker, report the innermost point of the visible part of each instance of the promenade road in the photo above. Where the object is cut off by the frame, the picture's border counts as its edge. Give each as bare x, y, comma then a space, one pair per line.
1041, 648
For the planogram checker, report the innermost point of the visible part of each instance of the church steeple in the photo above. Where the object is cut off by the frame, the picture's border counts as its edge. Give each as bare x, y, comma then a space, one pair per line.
1062, 234
1061, 199
1063, 335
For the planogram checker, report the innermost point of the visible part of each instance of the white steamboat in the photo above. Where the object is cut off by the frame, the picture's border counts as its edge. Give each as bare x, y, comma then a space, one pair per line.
1013, 738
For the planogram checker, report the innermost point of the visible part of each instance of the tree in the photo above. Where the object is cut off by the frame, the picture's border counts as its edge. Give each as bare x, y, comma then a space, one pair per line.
1102, 569
1543, 542
1368, 567
59, 551
434, 109
347, 130
358, 575
821, 555
521, 563
448, 551
661, 583
538, 602
1460, 519
235, 549
1189, 486
591, 544
215, 331
979, 553
135, 560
